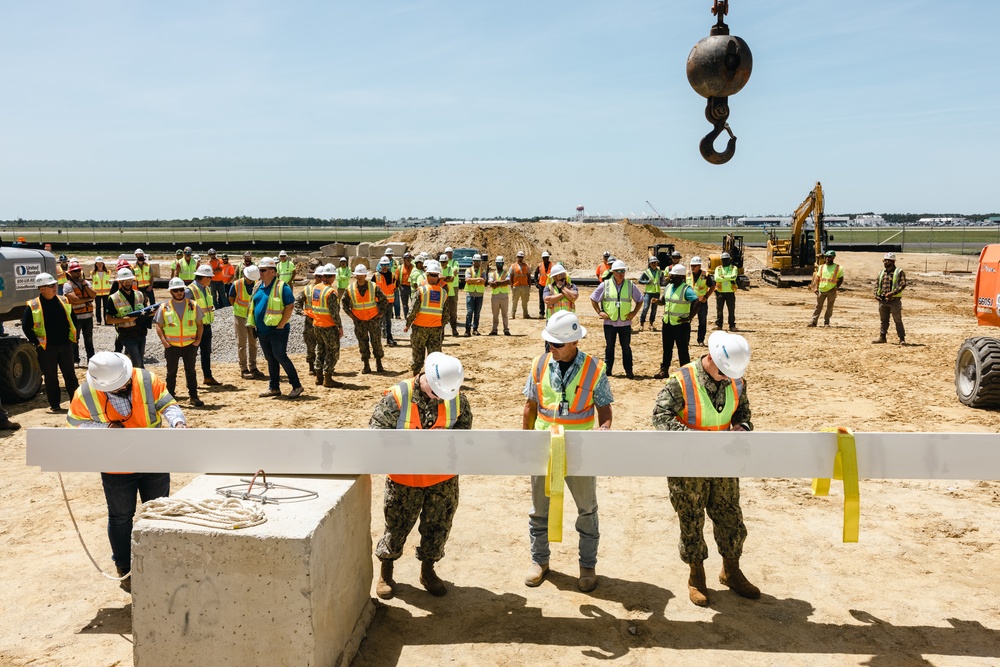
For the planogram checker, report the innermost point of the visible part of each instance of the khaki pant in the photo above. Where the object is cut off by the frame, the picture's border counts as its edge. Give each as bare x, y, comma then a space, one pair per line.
824, 298
499, 303
245, 342
894, 308
521, 295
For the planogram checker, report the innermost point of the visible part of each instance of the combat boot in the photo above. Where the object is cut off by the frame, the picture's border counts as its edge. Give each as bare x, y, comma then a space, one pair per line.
125, 584
378, 365
385, 589
732, 576
697, 588
430, 580
367, 368
879, 341
329, 381
319, 378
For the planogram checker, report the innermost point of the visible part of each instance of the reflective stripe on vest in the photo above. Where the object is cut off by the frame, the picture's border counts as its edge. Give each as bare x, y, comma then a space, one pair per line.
474, 273
895, 281
123, 307
496, 276
241, 305
101, 280
653, 286
285, 270
364, 307
180, 332
186, 268
205, 300
60, 275
676, 307
98, 405
387, 289
81, 308
143, 275
543, 273
403, 273
828, 274
703, 416
275, 306
699, 284
307, 294
409, 418
611, 302
432, 298
725, 278
318, 297
562, 304
38, 320
578, 393
521, 274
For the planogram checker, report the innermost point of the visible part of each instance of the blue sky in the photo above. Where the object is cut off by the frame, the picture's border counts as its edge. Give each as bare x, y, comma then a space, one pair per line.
127, 110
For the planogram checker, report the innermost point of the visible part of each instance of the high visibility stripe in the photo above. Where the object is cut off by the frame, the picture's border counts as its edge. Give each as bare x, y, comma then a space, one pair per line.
318, 297
180, 332
677, 307
364, 307
409, 418
581, 409
101, 282
387, 289
430, 314
704, 416
205, 300
699, 284
612, 303
38, 320
142, 275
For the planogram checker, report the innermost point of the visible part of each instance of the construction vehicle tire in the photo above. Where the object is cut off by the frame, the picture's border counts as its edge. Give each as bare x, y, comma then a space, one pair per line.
977, 372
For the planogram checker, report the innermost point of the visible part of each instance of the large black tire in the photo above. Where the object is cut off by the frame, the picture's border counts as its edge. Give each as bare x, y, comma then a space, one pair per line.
20, 374
977, 372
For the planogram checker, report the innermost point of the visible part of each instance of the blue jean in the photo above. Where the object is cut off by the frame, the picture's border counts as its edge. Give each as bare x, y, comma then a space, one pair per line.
648, 304
135, 348
120, 492
623, 335
396, 303
584, 490
387, 325
274, 345
473, 305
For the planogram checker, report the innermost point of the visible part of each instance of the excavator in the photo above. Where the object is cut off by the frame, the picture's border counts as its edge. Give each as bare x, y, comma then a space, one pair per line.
790, 261
733, 245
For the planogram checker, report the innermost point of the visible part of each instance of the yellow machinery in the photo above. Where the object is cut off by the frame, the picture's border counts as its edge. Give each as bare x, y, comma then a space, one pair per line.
734, 246
790, 262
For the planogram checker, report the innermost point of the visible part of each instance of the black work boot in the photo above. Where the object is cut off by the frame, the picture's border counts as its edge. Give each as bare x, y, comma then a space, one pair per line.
385, 589
430, 580
378, 365
125, 584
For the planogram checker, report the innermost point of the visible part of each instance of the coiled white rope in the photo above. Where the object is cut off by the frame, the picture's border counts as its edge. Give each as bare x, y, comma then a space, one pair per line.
222, 513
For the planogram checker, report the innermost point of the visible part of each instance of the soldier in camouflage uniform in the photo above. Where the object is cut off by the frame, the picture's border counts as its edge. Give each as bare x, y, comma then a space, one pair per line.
308, 335
430, 400
328, 337
716, 376
427, 324
368, 332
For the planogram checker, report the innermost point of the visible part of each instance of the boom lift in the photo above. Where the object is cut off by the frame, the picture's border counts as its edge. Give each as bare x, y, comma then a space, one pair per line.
790, 262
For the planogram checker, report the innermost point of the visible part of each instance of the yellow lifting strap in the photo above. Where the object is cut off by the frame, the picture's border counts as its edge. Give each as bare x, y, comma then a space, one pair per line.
845, 467
555, 481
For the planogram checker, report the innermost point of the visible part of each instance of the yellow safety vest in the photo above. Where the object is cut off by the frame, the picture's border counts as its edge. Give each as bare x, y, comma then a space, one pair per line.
829, 274
578, 394
676, 307
180, 331
562, 304
611, 302
725, 278
142, 275
275, 304
186, 268
653, 286
285, 270
417, 278
474, 273
123, 307
205, 300
497, 276
699, 284
241, 305
101, 280
699, 412
895, 281
343, 277
38, 320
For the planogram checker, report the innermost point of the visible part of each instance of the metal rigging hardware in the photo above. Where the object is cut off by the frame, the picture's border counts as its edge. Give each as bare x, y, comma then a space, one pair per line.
244, 491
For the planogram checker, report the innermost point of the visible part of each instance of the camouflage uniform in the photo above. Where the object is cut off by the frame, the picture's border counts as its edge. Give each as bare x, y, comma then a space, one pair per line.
368, 332
328, 339
307, 329
435, 505
423, 340
692, 497
450, 315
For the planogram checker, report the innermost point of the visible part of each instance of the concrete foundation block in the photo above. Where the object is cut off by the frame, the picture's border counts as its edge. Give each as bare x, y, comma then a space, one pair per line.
292, 591
362, 249
336, 249
397, 248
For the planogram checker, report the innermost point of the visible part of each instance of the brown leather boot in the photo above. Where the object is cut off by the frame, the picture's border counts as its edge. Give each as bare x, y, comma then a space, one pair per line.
124, 584
430, 580
319, 378
330, 382
385, 581
378, 365
732, 576
697, 588
367, 368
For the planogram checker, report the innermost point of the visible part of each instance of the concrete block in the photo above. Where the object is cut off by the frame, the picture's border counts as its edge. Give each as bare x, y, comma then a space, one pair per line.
363, 250
397, 248
292, 591
367, 261
333, 249
376, 251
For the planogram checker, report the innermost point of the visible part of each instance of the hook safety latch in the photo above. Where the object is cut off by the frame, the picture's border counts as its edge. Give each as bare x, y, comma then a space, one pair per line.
717, 113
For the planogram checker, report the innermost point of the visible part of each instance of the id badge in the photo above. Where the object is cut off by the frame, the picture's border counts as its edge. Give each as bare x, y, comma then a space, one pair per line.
563, 408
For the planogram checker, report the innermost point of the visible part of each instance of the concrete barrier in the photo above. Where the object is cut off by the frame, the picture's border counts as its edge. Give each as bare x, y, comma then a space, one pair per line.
292, 591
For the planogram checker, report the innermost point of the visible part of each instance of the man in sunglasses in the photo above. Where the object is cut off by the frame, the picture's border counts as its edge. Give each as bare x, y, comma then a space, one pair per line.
709, 394
617, 301
117, 395
179, 326
567, 387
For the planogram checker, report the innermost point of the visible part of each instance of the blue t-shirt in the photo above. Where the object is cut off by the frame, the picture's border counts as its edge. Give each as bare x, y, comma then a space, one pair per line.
260, 306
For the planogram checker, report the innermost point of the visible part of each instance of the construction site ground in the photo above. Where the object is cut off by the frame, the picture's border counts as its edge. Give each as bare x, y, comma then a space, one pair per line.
920, 588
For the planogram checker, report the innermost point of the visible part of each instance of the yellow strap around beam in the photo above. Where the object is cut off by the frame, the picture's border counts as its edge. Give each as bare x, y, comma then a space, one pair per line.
555, 482
845, 467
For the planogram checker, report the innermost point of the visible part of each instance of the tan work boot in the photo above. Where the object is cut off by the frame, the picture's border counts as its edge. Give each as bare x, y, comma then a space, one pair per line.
125, 584
536, 574
367, 368
697, 588
319, 378
385, 589
330, 382
732, 576
588, 579
430, 580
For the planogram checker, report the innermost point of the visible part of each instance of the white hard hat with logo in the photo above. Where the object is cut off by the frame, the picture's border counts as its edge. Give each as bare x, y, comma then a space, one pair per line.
563, 327
619, 266
444, 375
678, 270
320, 271
520, 253
890, 255
282, 254
545, 254
252, 272
730, 352
267, 263
204, 271
329, 270
696, 261
109, 371
432, 266
557, 270
384, 261
499, 259
125, 274
44, 279
361, 270
176, 283
442, 258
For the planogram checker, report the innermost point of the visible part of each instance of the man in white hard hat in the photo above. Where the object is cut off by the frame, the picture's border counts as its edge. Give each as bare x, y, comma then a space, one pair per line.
616, 301
604, 266
499, 281
246, 344
286, 268
449, 276
567, 387
520, 285
431, 400
541, 279
417, 275
47, 323
117, 395
271, 306
889, 286
475, 288
200, 292
559, 293
179, 325
826, 282
365, 304
403, 273
81, 295
426, 316
726, 276
125, 310
679, 299
343, 276
385, 280
143, 275
652, 282
303, 306
709, 394
327, 328
704, 285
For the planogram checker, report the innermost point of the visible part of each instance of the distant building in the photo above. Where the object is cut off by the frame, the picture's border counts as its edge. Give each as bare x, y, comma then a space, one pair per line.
943, 222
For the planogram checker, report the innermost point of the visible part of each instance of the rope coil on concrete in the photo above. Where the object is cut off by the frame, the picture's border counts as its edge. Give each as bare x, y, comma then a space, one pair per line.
222, 513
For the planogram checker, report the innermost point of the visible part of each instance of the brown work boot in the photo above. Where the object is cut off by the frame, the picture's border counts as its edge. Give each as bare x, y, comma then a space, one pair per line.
697, 588
430, 580
7, 425
588, 579
367, 368
385, 589
662, 373
378, 365
125, 584
330, 382
879, 341
732, 576
319, 378
536, 574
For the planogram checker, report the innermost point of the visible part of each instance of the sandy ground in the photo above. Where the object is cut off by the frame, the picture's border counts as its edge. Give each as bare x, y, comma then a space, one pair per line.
920, 588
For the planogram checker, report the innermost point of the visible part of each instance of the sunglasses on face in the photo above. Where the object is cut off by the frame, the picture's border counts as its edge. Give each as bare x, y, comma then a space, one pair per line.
177, 289
557, 346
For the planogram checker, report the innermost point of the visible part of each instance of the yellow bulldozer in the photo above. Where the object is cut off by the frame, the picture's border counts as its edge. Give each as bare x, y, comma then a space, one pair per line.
790, 262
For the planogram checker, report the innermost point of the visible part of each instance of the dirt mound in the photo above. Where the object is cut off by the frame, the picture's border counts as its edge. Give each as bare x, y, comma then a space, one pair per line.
578, 246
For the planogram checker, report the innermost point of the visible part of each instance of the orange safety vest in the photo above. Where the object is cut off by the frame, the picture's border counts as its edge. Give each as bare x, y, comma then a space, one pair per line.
317, 298
602, 268
81, 308
364, 307
409, 418
699, 413
228, 272
403, 274
543, 273
520, 275
578, 392
388, 290
432, 298
307, 295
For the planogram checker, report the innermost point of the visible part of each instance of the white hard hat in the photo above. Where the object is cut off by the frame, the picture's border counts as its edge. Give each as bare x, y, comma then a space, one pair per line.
563, 327
421, 258
607, 254
98, 259
448, 249
619, 266
267, 263
211, 251
499, 259
108, 371
361, 270
330, 270
557, 270
725, 255
432, 266
678, 270
730, 352
138, 251
654, 258
176, 283
251, 272
343, 259
282, 254
43, 279
204, 271
384, 260
443, 258
477, 257
196, 257
320, 270
545, 254
675, 253
125, 274
444, 374
520, 253
890, 255
695, 261
389, 252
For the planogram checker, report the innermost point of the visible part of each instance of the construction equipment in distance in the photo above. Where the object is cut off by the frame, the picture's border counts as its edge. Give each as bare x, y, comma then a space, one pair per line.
790, 262
977, 368
662, 252
734, 246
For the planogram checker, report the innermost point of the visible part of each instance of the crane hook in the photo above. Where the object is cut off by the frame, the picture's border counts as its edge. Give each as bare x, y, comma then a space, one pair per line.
717, 113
